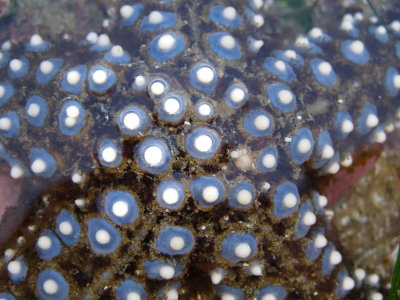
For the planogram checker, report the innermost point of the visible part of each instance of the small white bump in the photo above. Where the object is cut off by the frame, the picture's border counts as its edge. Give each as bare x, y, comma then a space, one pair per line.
348, 283
316, 33
140, 81
16, 65
5, 123
170, 196
360, 274
70, 122
268, 296
257, 4
44, 242
38, 166
216, 276
381, 30
102, 236
167, 272
261, 122
320, 241
396, 81
327, 152
335, 257
2, 90
103, 40
72, 111
120, 208
375, 296
203, 143
99, 76
333, 168
290, 200
302, 42
166, 42
133, 296
229, 13
242, 250
205, 74
395, 26
33, 110
227, 41
280, 65
291, 54
226, 296
177, 243
172, 106
324, 68
92, 37
373, 279
346, 25
80, 203
347, 126
237, 95
171, 294
65, 228
50, 287
205, 109
210, 194
244, 197
380, 137
126, 11
16, 172
357, 47
153, 155
269, 161
73, 77
14, 267
309, 218
46, 66
77, 177
322, 200
131, 121
256, 270
304, 145
285, 97
117, 51
155, 17
258, 21
36, 40
372, 121
109, 154
254, 45
157, 88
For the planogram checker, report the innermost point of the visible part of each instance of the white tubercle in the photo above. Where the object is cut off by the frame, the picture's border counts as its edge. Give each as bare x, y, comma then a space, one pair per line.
109, 154
242, 250
46, 67
210, 194
126, 11
50, 287
166, 42
289, 200
155, 17
99, 76
16, 65
203, 143
229, 13
102, 236
205, 74
153, 155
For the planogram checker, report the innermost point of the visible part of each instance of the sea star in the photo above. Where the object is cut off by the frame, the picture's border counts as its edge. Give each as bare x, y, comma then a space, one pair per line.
171, 154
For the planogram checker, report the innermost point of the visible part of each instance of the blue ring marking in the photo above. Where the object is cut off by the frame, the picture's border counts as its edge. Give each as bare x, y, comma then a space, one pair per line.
313, 252
165, 116
328, 80
197, 186
163, 165
161, 55
303, 229
17, 278
14, 127
233, 194
124, 59
42, 78
340, 278
296, 62
389, 84
96, 224
207, 88
143, 116
357, 58
341, 117
273, 91
382, 38
197, 110
80, 120
72, 238
55, 247
137, 11
4, 58
298, 157
190, 143
161, 80
276, 290
224, 289
22, 72
324, 139
51, 164
152, 268
113, 197
214, 40
249, 126
228, 99
397, 46
106, 144
36, 121
8, 92
7, 296
45, 45
101, 88
230, 243
168, 20
128, 286
62, 284
286, 75
368, 109
280, 210
167, 233
178, 187
216, 15
270, 150
74, 88
327, 267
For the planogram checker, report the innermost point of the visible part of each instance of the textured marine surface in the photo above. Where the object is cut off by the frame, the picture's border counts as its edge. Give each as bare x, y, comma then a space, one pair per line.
172, 154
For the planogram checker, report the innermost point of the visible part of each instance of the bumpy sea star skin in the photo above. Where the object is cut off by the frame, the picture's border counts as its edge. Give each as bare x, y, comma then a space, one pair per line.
171, 153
